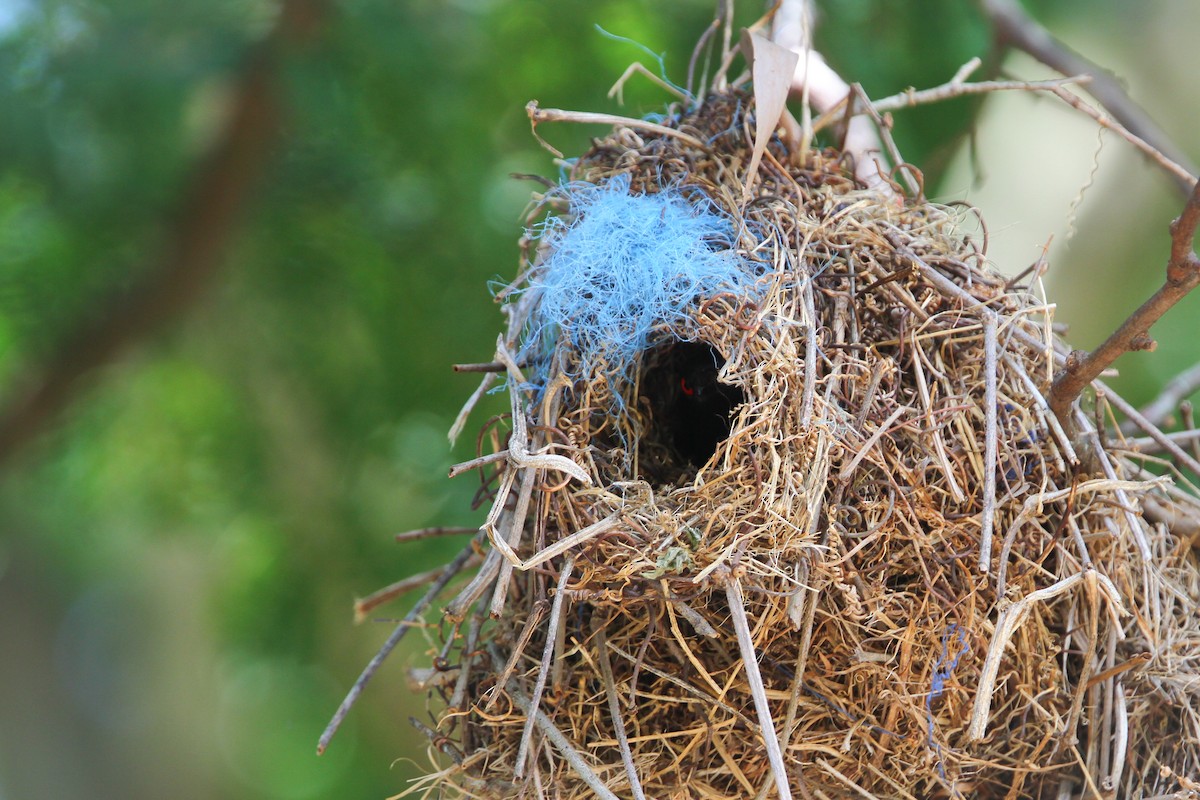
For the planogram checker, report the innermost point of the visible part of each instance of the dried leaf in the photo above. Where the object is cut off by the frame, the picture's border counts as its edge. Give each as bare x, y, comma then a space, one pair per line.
772, 68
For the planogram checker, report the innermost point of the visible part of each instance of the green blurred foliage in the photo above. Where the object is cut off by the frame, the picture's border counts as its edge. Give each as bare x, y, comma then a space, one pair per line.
180, 554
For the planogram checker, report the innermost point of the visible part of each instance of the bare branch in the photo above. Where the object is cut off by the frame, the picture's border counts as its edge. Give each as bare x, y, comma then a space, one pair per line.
958, 88
1183, 175
1183, 275
1015, 28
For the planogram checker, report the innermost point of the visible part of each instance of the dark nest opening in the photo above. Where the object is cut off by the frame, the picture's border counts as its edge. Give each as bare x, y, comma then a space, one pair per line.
687, 408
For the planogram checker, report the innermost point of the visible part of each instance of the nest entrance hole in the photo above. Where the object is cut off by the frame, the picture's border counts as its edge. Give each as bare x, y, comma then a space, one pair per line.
689, 410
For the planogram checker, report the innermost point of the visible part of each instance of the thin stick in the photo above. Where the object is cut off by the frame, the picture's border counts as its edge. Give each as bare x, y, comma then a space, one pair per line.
1175, 392
990, 445
1183, 177
516, 530
810, 354
536, 612
564, 576
366, 605
1136, 526
460, 421
451, 569
948, 91
1176, 452
468, 657
476, 463
737, 612
457, 608
1121, 738
848, 470
537, 115
1148, 445
487, 366
569, 753
429, 533
614, 711
701, 43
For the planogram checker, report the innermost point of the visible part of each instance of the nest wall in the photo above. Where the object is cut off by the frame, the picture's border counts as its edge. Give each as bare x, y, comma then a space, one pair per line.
823, 448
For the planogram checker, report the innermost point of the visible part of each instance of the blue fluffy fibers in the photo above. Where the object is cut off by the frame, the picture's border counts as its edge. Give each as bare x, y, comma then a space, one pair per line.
626, 268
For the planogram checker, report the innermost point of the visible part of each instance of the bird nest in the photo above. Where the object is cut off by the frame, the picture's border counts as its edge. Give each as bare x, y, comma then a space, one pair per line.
805, 523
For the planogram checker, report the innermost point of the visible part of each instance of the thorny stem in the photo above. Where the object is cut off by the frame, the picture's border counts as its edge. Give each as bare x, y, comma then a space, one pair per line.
1183, 275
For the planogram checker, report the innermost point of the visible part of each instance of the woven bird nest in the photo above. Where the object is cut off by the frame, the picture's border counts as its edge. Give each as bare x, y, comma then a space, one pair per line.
801, 521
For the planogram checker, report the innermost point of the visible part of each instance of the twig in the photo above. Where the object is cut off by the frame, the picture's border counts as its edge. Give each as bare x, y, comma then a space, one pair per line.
614, 710
564, 577
1175, 392
475, 463
468, 658
948, 91
1183, 275
1168, 445
737, 612
516, 651
366, 605
516, 529
456, 609
569, 753
452, 569
429, 533
990, 444
201, 231
1147, 445
486, 366
884, 427
460, 421
1182, 175
1016, 28
537, 115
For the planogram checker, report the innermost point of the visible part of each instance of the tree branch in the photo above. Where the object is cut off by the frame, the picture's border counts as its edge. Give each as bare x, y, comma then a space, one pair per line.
1183, 275
1017, 29
196, 242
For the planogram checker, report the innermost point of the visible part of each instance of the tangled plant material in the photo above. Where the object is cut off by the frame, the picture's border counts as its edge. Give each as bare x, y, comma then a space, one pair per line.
892, 575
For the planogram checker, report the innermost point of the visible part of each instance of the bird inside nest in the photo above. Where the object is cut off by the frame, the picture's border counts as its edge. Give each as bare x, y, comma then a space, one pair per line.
689, 409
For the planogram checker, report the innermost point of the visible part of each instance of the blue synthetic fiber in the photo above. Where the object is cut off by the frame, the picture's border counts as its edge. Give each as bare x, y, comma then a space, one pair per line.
942, 670
624, 270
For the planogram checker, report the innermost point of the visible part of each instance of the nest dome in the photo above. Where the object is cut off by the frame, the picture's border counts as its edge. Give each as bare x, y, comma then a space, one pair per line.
785, 494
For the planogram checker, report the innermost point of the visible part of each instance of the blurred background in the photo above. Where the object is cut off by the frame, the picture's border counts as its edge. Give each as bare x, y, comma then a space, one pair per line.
265, 348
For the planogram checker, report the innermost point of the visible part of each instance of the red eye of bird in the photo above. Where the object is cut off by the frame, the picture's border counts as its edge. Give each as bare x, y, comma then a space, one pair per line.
689, 391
